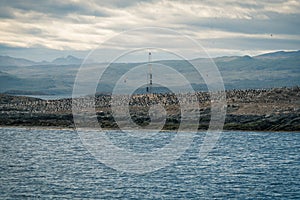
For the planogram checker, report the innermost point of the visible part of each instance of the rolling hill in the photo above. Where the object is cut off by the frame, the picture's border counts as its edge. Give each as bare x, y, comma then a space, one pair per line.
276, 69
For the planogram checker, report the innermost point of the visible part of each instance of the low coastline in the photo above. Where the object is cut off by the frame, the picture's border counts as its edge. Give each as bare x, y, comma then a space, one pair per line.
275, 109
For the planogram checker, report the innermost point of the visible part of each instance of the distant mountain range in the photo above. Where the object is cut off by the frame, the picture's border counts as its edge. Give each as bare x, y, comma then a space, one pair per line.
276, 69
69, 60
11, 61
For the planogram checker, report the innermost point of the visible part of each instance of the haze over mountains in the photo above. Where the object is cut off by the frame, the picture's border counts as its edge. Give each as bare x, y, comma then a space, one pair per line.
21, 76
11, 61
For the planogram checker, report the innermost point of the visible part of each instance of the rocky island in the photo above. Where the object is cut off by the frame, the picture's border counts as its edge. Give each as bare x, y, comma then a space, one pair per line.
275, 109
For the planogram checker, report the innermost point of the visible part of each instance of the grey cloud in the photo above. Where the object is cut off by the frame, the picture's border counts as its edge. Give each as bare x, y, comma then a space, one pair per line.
122, 3
277, 24
34, 31
54, 7
59, 8
73, 13
6, 12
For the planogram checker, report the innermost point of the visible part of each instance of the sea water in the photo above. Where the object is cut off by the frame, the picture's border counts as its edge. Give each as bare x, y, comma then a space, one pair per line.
45, 163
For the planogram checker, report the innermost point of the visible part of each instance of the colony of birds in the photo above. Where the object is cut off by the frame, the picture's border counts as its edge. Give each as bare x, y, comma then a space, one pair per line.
255, 109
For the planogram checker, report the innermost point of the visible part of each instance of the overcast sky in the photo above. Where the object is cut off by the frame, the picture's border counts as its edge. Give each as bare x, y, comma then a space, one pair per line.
44, 30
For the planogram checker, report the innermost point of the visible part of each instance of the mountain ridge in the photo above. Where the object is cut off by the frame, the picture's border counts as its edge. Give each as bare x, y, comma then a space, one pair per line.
276, 69
71, 60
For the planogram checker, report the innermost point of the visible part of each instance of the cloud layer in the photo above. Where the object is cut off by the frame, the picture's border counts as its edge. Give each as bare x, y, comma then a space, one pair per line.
223, 27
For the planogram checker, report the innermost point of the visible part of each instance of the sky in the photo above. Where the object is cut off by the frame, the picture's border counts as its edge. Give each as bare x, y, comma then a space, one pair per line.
45, 30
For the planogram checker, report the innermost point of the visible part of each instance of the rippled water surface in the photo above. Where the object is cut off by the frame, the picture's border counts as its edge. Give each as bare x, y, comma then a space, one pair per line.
46, 164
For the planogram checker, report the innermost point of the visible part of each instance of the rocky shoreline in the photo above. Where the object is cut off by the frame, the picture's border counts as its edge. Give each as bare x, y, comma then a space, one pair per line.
275, 109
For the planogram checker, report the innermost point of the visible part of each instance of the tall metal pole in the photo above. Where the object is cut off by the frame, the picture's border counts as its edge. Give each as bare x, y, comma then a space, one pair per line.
150, 73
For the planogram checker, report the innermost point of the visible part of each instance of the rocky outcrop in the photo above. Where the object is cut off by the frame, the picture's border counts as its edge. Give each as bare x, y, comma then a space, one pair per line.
275, 109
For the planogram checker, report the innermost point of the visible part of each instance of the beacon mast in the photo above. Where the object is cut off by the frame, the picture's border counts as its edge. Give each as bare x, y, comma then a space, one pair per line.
149, 76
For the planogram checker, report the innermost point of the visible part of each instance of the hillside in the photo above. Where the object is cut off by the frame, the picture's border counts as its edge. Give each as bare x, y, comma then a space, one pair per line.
276, 69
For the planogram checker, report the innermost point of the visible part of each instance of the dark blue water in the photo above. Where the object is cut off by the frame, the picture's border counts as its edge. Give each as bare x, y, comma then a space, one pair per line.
244, 165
